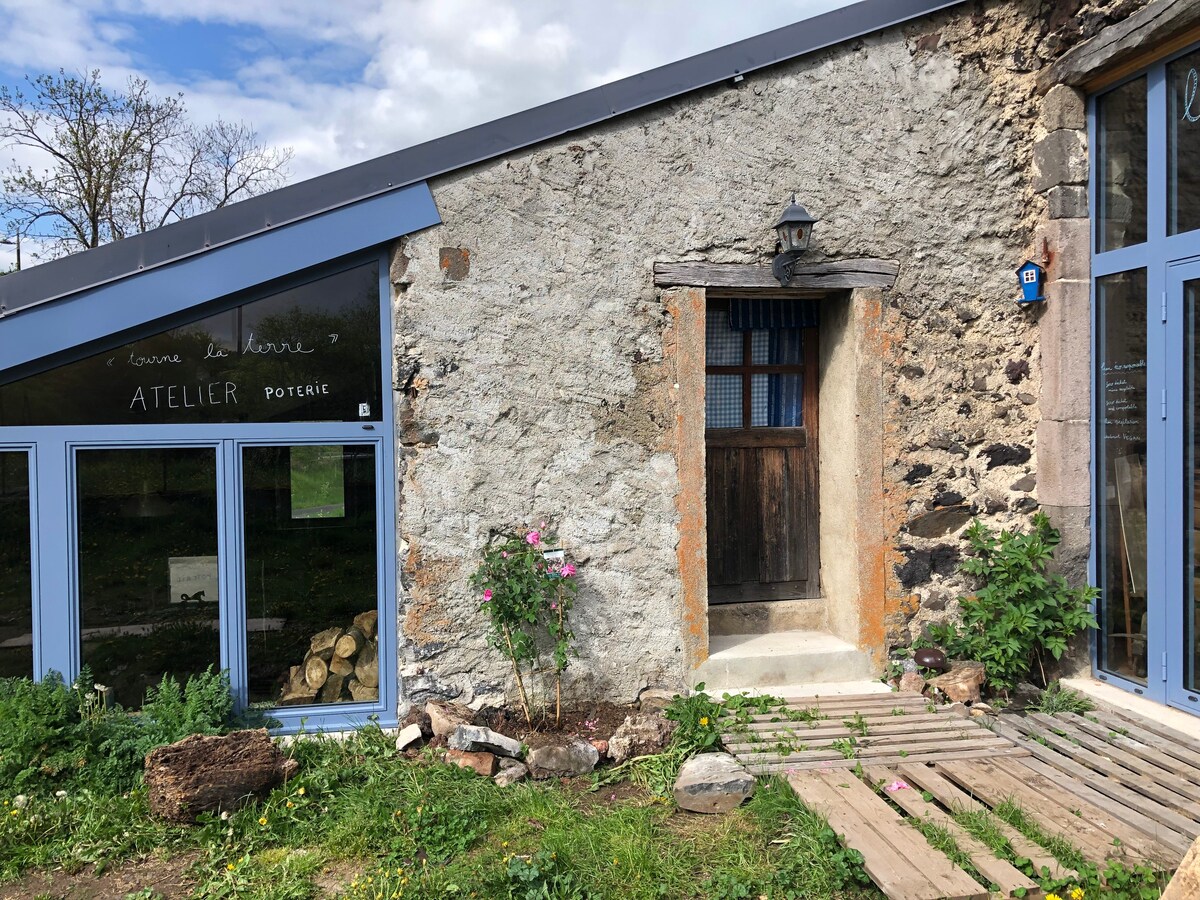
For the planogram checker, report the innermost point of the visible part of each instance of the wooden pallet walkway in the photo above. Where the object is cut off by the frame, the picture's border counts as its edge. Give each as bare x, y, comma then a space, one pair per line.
1111, 784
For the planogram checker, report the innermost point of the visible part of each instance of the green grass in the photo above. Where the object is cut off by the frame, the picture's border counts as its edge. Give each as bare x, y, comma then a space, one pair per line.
1056, 699
423, 829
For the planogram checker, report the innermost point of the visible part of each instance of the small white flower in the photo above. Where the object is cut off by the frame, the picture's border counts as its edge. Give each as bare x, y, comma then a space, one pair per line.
61, 795
20, 801
225, 815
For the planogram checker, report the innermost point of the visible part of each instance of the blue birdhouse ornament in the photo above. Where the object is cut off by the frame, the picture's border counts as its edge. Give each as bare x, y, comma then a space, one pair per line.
1031, 277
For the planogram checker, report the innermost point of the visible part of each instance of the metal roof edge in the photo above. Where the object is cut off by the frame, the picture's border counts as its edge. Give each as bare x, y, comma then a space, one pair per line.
458, 150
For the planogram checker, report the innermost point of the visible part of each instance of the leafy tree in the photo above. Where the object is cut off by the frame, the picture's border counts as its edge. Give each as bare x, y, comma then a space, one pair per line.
94, 166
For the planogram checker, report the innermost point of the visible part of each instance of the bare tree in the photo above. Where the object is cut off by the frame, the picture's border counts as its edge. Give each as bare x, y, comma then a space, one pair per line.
99, 166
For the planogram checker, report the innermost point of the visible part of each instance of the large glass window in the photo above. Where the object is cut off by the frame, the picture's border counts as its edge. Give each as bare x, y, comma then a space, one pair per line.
1121, 506
1183, 144
16, 589
148, 565
1121, 166
309, 353
311, 574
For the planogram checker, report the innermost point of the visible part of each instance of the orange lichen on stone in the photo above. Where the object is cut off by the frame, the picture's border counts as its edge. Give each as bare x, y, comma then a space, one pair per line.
684, 344
425, 621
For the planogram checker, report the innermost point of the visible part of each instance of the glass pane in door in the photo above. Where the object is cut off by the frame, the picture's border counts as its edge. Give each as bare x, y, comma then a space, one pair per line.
147, 566
1121, 470
1183, 144
16, 589
311, 574
1191, 486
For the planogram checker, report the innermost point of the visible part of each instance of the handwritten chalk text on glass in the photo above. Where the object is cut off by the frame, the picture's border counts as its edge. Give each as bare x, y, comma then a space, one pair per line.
309, 353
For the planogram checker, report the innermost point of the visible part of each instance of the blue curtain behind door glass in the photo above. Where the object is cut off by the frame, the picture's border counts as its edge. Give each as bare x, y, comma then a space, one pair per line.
776, 400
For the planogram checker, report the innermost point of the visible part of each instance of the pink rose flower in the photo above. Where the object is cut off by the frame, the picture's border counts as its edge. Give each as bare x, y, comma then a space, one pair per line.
534, 537
504, 554
487, 596
567, 570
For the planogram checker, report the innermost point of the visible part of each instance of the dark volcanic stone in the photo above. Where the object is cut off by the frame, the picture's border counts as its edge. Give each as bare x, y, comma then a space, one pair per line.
916, 569
918, 472
1006, 455
944, 559
1016, 371
1028, 483
948, 498
940, 522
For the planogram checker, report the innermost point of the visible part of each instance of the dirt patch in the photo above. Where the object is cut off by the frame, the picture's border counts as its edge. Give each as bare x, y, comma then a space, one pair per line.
334, 877
167, 878
592, 721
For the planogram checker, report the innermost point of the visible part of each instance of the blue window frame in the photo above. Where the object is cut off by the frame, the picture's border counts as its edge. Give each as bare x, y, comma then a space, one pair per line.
55, 452
1145, 279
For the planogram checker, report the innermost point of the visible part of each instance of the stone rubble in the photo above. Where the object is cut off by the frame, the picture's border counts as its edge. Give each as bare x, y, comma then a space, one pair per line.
573, 756
961, 684
445, 717
510, 772
475, 738
409, 736
639, 735
481, 763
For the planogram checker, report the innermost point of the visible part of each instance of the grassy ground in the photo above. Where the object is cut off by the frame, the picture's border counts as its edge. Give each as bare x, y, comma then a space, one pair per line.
361, 822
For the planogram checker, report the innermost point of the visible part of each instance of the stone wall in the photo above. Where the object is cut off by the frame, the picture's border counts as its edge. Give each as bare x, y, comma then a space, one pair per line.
538, 364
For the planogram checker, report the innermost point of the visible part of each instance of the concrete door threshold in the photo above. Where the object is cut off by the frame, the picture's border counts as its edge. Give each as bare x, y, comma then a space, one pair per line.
1115, 696
809, 689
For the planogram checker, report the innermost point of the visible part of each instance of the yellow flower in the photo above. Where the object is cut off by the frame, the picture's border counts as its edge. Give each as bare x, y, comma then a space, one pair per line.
616, 862
300, 792
291, 805
1076, 893
704, 720
15, 812
262, 821
1053, 897
228, 867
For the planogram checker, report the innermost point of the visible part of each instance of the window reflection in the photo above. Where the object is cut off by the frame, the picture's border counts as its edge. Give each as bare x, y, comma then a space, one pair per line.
311, 574
1122, 166
1121, 506
16, 589
147, 566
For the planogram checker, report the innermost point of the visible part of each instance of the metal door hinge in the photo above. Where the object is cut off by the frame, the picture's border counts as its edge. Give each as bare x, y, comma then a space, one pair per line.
1164, 306
1164, 666
1164, 403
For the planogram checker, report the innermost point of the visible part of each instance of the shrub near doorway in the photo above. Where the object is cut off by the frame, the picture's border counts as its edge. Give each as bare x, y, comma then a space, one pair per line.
1021, 612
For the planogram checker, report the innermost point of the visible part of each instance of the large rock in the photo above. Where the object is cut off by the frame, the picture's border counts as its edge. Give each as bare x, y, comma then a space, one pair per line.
713, 783
205, 773
961, 684
640, 735
652, 699
574, 756
445, 717
481, 763
474, 738
911, 683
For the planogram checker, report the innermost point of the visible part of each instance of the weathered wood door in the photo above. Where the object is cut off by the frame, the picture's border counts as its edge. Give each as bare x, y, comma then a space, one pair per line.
761, 444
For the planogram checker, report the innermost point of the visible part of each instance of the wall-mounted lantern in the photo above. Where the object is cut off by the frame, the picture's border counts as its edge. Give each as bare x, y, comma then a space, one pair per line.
795, 231
1031, 277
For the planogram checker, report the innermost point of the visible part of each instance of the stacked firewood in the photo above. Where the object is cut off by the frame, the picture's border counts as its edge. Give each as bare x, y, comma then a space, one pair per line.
342, 664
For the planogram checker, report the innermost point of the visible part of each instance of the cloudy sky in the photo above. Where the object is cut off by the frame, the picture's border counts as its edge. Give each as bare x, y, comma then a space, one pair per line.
341, 81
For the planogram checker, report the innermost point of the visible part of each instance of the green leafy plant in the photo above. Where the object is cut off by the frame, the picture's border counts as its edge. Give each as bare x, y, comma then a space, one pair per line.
528, 599
1021, 613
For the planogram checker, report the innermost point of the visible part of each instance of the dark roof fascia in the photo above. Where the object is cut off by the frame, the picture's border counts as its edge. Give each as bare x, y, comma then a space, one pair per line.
455, 151
40, 330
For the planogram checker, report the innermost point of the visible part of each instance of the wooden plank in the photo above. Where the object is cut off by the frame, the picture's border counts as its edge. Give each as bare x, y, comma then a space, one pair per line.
952, 797
1138, 748
741, 438
996, 787
1099, 817
1146, 799
840, 274
1151, 32
998, 871
896, 857
1184, 753
900, 749
749, 737
803, 765
1158, 775
1173, 842
1148, 724
913, 721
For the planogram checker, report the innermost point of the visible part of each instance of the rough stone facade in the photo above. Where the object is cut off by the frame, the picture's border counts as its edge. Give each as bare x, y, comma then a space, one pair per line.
537, 360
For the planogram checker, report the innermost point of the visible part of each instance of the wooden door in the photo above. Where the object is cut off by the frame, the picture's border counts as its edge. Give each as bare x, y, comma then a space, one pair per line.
761, 444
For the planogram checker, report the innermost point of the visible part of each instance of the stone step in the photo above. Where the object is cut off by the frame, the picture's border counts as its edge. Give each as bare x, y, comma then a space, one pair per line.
768, 616
781, 658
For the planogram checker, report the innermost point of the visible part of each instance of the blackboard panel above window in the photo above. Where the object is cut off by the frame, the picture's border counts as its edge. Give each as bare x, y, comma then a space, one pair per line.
1183, 144
309, 353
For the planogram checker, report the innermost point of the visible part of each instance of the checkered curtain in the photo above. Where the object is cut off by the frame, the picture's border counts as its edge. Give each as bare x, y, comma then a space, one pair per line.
776, 400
